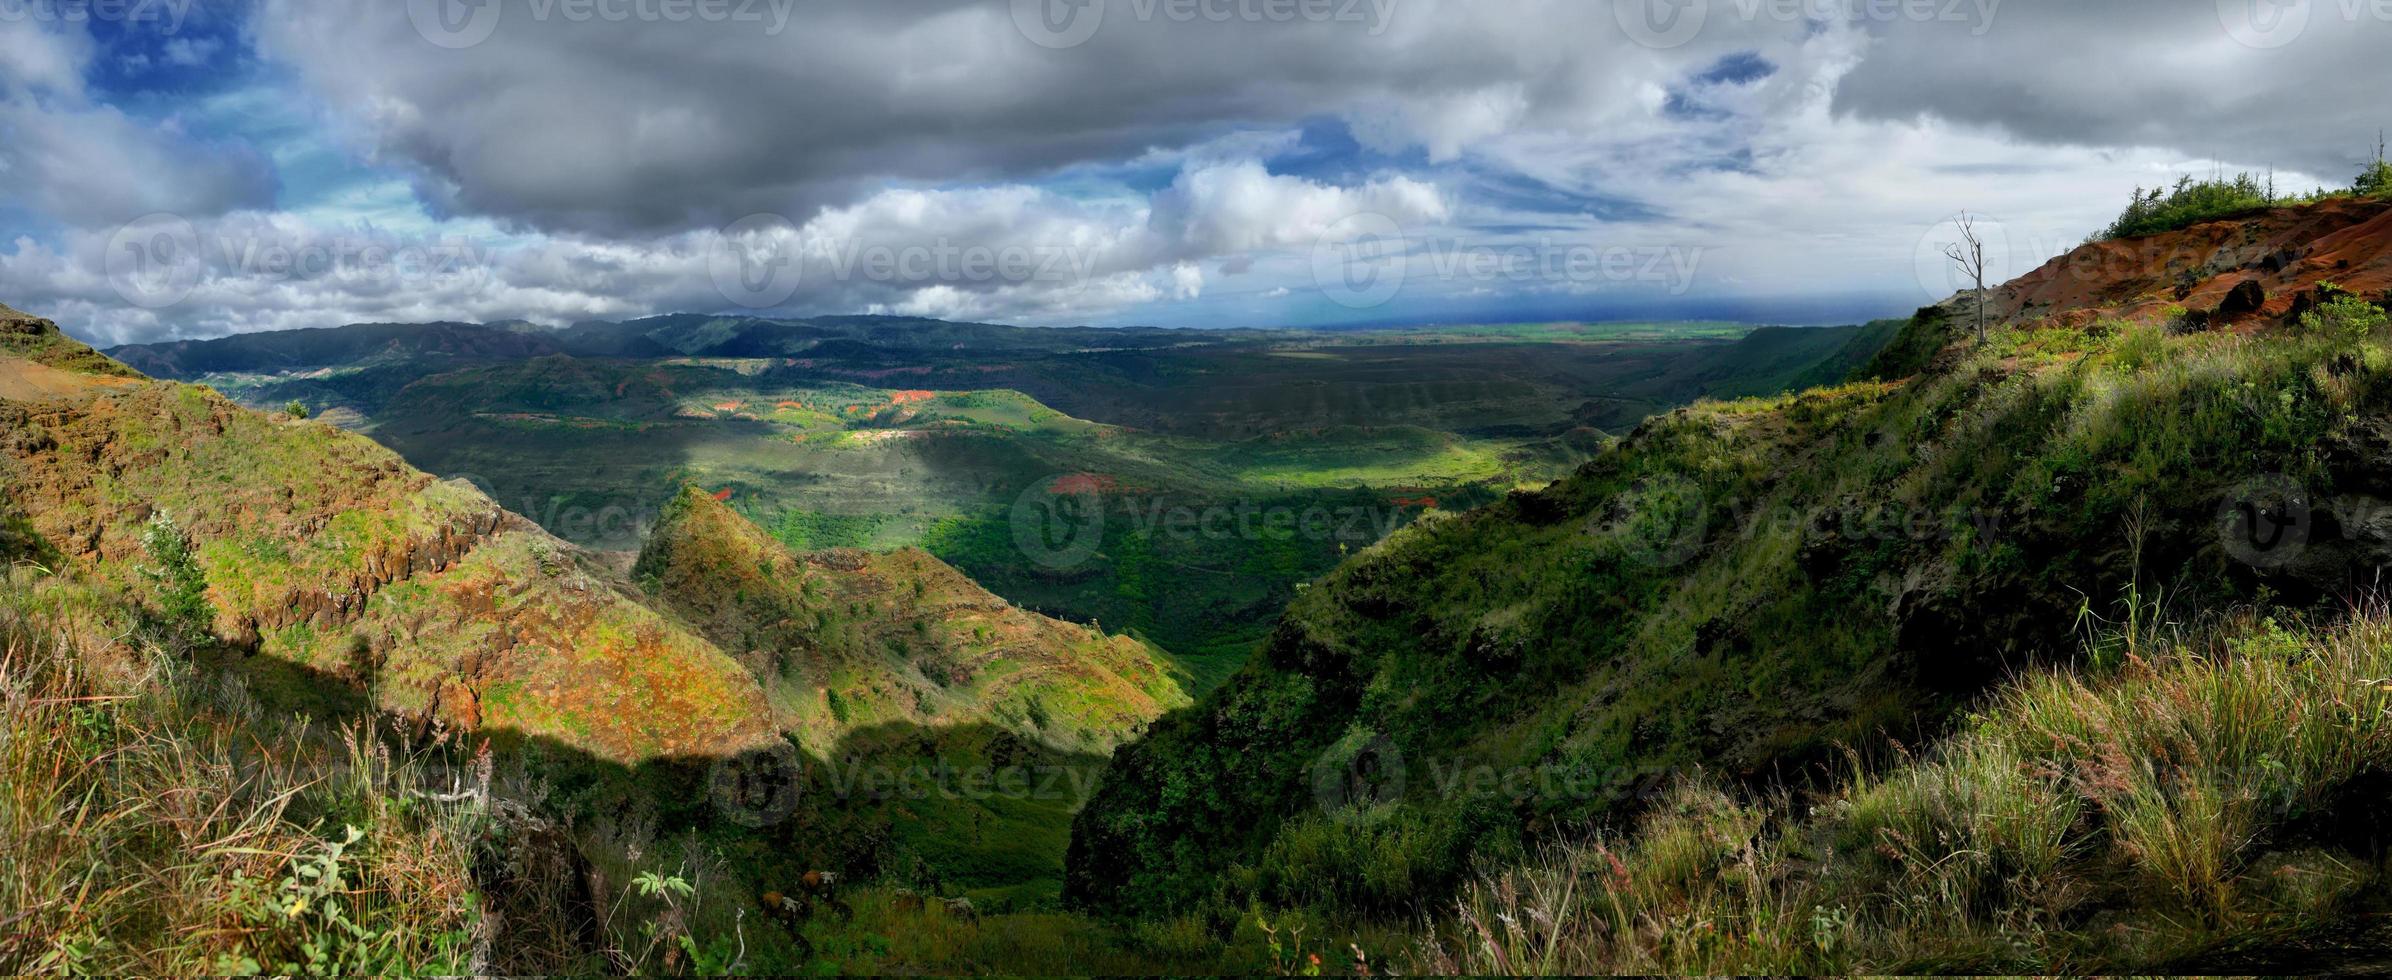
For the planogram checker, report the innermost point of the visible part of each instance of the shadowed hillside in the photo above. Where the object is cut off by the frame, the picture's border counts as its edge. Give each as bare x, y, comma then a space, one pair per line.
1741, 588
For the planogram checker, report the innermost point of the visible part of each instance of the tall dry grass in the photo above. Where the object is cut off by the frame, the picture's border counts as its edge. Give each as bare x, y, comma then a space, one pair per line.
2190, 803
152, 822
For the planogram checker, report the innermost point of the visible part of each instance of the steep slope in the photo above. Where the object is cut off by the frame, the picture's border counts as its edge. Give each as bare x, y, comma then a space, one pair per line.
893, 699
36, 361
848, 640
2207, 809
325, 552
1743, 587
2275, 258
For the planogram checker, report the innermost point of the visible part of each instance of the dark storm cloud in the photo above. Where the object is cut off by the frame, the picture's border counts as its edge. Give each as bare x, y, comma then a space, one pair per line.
642, 125
1191, 160
2296, 83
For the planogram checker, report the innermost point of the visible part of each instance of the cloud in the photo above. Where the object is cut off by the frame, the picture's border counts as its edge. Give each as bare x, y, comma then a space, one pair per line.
1005, 251
97, 167
930, 157
635, 127
73, 160
34, 58
1241, 207
1187, 282
2229, 81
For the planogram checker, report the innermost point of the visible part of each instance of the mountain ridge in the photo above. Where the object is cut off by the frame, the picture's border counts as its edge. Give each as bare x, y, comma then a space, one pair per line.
1740, 588
327, 551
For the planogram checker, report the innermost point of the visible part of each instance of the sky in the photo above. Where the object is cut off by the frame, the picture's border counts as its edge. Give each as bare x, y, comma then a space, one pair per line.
177, 169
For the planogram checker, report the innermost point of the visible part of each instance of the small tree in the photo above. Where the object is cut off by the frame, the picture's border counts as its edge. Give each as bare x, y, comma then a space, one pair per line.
296, 409
1968, 255
177, 587
2376, 180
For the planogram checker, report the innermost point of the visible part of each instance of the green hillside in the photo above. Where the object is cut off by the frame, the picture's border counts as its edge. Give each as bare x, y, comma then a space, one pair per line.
882, 433
1738, 589
836, 712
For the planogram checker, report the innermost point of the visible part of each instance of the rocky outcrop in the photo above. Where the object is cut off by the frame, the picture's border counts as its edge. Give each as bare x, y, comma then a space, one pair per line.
2247, 298
2282, 253
385, 563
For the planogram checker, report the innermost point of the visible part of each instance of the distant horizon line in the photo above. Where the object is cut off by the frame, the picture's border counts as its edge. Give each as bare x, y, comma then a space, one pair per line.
1884, 303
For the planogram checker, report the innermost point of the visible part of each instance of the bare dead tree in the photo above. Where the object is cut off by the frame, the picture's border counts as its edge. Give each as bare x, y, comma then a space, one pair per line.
1968, 255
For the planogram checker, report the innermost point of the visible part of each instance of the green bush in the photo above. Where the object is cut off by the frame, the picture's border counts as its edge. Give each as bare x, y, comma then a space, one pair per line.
2191, 202
2376, 181
178, 590
2346, 321
1372, 862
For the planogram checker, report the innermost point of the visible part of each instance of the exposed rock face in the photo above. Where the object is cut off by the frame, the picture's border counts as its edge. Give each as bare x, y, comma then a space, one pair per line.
2247, 298
334, 605
2285, 252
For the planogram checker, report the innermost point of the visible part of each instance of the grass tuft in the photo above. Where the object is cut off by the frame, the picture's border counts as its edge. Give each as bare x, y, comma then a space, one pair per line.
155, 822
2165, 814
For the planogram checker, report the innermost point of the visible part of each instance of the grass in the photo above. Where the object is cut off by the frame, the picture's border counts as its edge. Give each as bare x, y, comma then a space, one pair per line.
1737, 587
38, 340
152, 821
2193, 804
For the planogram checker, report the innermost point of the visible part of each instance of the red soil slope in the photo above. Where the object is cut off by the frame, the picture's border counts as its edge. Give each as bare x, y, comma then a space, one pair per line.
2287, 252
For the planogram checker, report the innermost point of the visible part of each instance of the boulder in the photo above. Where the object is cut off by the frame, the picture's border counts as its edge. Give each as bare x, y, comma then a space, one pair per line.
2247, 298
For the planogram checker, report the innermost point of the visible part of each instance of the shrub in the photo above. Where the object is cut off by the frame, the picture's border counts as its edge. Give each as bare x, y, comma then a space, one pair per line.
2345, 321
178, 590
2375, 181
2153, 211
296, 409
